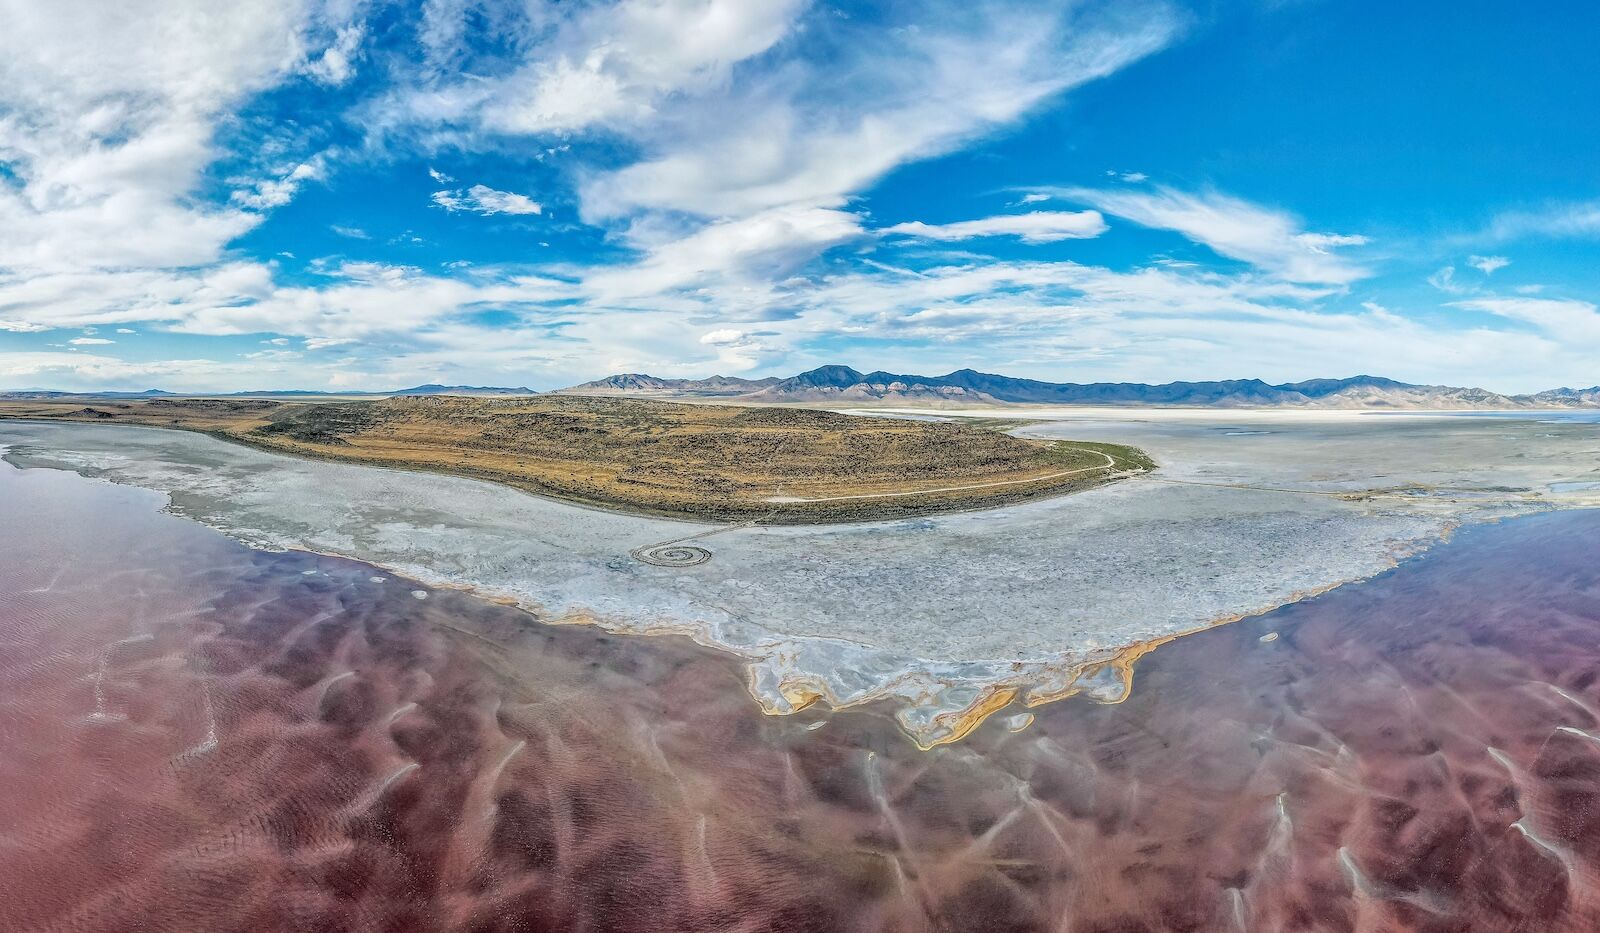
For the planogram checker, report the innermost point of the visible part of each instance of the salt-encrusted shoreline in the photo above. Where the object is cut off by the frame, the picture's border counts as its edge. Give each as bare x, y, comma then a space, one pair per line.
955, 617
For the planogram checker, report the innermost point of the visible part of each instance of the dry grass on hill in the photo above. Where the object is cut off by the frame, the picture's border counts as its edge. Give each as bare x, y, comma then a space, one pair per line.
701, 461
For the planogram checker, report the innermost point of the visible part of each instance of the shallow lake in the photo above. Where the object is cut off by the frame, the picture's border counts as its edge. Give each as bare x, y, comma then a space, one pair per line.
196, 735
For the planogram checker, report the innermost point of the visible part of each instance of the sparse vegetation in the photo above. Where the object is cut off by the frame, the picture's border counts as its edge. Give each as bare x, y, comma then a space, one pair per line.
700, 461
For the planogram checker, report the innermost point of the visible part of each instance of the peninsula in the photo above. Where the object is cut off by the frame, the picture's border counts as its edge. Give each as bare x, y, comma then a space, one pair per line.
702, 462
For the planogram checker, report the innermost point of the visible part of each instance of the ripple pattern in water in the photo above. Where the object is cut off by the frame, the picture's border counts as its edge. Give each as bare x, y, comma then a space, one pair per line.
197, 736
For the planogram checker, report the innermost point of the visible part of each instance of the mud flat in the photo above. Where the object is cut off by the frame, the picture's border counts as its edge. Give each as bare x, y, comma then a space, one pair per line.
954, 617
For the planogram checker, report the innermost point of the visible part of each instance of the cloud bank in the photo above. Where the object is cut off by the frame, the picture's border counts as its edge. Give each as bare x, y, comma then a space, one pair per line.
692, 185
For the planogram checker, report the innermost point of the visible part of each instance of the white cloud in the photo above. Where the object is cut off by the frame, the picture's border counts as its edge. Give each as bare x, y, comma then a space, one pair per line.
1445, 281
585, 66
481, 199
739, 138
274, 355
108, 120
1268, 239
814, 135
1575, 321
1577, 219
752, 125
1032, 227
364, 301
736, 350
359, 301
92, 371
90, 341
1488, 264
269, 193
1065, 320
723, 337
336, 64
742, 257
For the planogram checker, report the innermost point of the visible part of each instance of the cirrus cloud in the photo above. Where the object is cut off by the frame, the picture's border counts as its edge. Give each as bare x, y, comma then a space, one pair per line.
1271, 240
1032, 227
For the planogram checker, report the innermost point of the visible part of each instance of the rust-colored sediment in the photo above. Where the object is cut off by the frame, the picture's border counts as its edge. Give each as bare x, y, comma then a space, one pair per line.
194, 736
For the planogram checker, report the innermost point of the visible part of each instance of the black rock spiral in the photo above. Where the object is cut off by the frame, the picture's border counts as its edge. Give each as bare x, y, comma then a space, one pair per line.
671, 554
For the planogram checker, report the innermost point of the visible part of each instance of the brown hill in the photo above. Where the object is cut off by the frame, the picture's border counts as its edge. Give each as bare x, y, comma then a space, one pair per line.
699, 461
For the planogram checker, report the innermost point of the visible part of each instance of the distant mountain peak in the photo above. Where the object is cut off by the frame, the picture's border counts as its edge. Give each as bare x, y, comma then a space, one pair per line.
840, 384
641, 384
436, 389
1315, 388
837, 383
832, 375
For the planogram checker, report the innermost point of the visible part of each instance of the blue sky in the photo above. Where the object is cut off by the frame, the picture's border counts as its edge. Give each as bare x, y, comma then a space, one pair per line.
351, 194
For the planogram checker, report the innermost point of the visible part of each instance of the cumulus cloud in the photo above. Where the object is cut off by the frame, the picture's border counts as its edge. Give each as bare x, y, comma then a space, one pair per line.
723, 337
268, 193
1488, 265
481, 199
109, 120
1271, 240
1032, 227
336, 65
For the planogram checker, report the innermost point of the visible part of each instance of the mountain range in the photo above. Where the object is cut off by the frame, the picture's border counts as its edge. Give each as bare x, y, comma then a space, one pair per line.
842, 384
429, 389
638, 385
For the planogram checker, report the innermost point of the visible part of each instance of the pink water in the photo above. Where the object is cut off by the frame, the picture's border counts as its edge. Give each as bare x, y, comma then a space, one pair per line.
197, 736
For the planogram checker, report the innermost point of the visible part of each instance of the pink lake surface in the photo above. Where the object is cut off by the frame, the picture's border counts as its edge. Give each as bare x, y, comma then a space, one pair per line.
198, 736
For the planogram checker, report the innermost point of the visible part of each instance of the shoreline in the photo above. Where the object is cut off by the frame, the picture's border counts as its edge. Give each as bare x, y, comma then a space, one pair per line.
1013, 684
1301, 731
775, 510
795, 656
